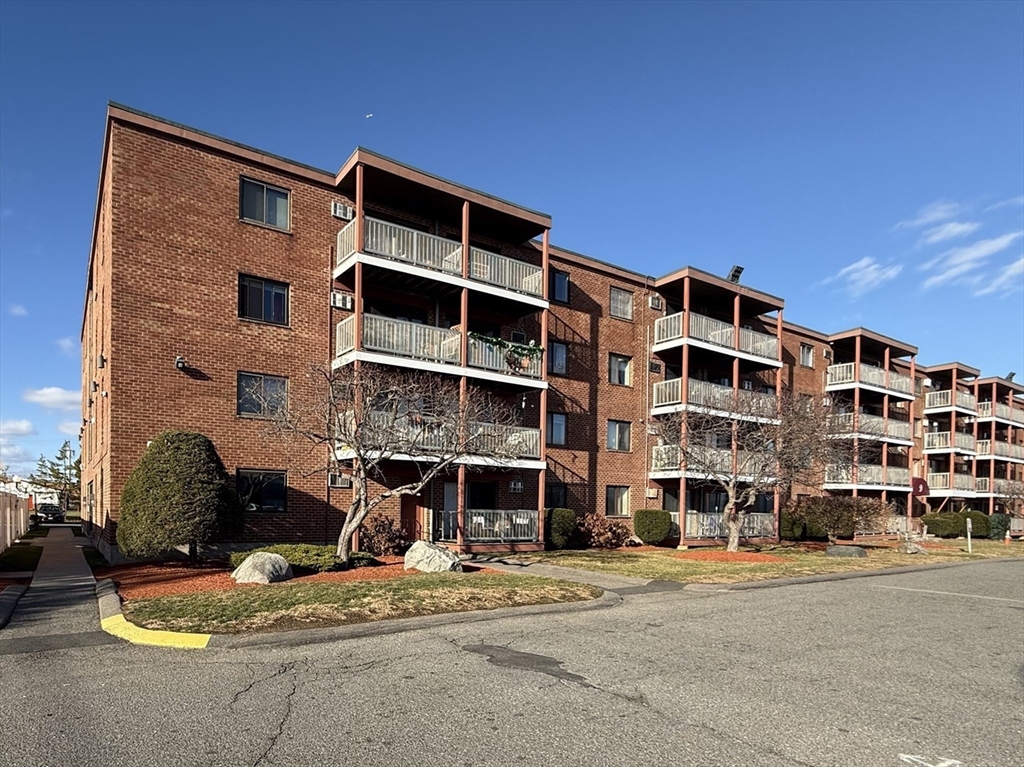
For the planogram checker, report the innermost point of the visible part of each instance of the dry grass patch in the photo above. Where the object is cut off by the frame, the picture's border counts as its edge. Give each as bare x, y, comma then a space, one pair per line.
792, 561
287, 606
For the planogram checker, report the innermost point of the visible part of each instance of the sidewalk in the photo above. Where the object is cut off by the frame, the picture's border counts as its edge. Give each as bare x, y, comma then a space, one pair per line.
62, 597
606, 581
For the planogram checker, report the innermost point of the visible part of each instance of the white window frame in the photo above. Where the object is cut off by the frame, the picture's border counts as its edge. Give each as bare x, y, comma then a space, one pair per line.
809, 349
621, 300
621, 501
613, 356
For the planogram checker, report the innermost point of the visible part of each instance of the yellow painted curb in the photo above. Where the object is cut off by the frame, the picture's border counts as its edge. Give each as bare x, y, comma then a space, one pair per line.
118, 626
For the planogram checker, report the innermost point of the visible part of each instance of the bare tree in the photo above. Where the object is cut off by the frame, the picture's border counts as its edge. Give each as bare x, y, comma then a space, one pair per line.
359, 420
778, 443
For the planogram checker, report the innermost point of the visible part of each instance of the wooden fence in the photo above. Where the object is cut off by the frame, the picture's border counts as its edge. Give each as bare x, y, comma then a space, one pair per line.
14, 513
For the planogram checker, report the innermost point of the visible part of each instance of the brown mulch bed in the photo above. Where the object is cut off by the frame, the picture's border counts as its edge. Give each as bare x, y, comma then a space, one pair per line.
5, 582
158, 580
717, 555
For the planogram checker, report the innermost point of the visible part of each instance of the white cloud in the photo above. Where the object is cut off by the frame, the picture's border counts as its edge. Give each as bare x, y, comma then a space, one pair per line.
15, 456
18, 310
67, 345
954, 264
1006, 280
54, 397
1013, 202
21, 428
865, 275
71, 428
933, 213
949, 231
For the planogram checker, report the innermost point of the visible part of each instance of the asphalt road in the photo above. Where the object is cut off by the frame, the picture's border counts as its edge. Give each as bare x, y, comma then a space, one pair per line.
923, 668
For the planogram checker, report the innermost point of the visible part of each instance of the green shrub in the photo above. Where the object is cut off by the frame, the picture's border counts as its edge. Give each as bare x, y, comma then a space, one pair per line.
948, 524
361, 559
791, 528
178, 494
304, 557
837, 516
381, 535
599, 532
562, 525
980, 526
652, 526
998, 524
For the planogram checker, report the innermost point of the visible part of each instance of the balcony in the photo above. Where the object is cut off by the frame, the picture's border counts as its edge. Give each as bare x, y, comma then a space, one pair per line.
948, 400
945, 441
703, 460
428, 439
871, 426
711, 525
409, 340
989, 410
1007, 488
717, 333
843, 376
868, 474
988, 448
951, 482
400, 243
715, 397
490, 525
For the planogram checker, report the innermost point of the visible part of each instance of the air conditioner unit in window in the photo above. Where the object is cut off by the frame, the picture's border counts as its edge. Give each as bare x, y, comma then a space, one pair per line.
515, 486
343, 211
339, 480
655, 303
827, 354
343, 300
652, 492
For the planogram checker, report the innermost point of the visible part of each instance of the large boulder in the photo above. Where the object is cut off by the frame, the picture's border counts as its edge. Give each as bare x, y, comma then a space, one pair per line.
845, 551
263, 567
428, 558
909, 547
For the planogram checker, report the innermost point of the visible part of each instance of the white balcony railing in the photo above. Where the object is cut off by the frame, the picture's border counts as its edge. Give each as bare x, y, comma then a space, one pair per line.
703, 460
897, 475
495, 439
988, 447
898, 429
400, 338
716, 396
505, 272
947, 481
1008, 488
490, 357
665, 458
844, 373
345, 336
711, 525
1000, 410
718, 333
386, 431
868, 474
935, 400
501, 525
944, 440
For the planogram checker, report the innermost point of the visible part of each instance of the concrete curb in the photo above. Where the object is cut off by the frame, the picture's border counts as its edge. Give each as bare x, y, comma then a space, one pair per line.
8, 601
779, 582
112, 621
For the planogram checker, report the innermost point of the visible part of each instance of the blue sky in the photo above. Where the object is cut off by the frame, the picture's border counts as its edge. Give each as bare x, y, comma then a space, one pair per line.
863, 160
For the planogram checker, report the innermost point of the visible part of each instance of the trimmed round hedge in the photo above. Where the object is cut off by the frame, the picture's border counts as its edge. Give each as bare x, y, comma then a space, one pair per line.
980, 527
652, 526
562, 528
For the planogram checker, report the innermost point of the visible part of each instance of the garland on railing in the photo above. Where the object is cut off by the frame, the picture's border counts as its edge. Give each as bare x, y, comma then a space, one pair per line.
531, 349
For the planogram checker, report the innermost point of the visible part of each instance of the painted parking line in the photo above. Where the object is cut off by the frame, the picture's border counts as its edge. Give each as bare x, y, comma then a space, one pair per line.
948, 594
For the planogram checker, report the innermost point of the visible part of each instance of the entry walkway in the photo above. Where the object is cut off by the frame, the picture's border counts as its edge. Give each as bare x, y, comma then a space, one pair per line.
60, 603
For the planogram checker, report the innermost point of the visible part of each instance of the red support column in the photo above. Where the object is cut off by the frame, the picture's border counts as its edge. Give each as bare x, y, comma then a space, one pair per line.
856, 413
360, 236
910, 450
686, 308
777, 501
736, 322
542, 475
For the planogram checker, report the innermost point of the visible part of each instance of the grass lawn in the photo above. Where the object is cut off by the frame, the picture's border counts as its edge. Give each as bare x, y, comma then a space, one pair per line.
308, 605
792, 561
93, 557
40, 533
20, 556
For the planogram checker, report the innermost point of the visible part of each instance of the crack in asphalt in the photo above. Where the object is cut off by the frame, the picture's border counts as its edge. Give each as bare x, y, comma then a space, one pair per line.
287, 668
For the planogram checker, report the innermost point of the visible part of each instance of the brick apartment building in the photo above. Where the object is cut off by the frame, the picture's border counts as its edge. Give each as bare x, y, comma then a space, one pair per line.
216, 268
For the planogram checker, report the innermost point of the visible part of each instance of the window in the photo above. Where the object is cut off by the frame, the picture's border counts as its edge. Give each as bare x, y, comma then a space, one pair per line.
618, 435
555, 496
558, 358
263, 203
559, 288
807, 355
518, 337
261, 396
616, 503
621, 304
556, 429
262, 490
619, 369
263, 300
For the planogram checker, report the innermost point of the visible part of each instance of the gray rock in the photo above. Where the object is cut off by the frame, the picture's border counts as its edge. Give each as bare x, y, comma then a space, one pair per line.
845, 551
263, 567
428, 558
909, 547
